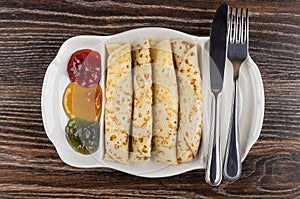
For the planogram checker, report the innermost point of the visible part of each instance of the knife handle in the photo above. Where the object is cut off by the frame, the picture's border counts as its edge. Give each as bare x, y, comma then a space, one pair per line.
213, 174
232, 159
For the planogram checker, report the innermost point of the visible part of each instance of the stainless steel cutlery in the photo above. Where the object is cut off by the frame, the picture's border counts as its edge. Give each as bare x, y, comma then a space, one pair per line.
235, 42
217, 53
237, 53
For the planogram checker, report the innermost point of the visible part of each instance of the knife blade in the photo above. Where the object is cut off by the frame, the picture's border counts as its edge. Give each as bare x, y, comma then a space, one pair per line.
217, 53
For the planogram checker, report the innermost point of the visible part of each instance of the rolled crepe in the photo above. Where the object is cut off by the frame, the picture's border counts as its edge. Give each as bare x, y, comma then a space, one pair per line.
118, 102
190, 100
165, 98
142, 103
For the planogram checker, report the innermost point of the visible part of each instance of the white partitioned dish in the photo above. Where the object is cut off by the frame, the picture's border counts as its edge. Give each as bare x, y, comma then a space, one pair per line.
56, 80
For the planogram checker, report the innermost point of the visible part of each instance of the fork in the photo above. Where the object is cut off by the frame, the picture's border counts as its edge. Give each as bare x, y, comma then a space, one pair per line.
237, 53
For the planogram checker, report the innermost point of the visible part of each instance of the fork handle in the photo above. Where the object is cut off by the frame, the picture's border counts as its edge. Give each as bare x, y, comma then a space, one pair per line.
232, 160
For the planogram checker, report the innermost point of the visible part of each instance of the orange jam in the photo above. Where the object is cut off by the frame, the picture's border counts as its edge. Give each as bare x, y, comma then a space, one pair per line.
82, 102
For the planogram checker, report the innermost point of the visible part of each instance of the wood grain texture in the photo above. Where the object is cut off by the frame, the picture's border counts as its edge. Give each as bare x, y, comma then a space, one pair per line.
31, 33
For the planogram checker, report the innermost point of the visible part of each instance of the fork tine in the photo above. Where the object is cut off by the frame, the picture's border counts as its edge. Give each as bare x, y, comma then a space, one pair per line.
235, 32
246, 27
241, 35
230, 26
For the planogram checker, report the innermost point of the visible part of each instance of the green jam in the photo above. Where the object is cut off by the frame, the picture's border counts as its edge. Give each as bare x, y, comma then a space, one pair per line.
83, 136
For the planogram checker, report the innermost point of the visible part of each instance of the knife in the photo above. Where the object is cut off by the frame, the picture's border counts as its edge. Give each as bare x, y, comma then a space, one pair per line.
217, 53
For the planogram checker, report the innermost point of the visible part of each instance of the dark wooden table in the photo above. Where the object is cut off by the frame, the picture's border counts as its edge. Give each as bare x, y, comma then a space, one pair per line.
32, 31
